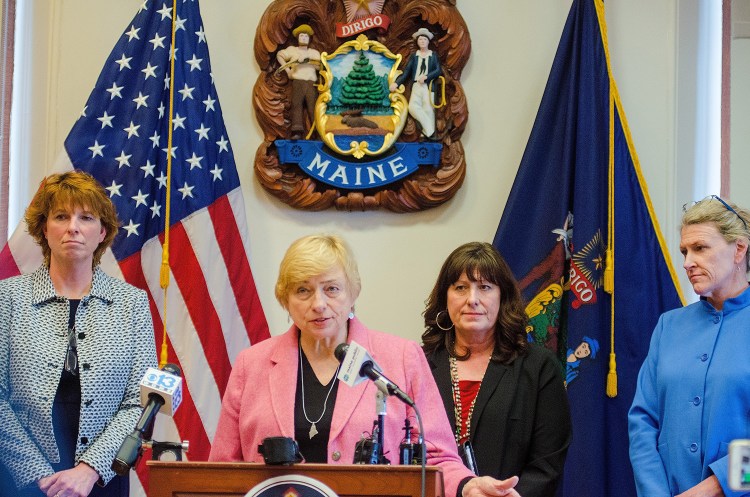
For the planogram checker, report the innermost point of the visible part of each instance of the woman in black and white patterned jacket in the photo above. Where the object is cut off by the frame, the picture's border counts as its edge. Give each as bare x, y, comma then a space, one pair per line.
74, 344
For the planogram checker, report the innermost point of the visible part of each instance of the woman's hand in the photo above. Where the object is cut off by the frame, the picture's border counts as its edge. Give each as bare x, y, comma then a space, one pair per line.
74, 482
709, 487
486, 486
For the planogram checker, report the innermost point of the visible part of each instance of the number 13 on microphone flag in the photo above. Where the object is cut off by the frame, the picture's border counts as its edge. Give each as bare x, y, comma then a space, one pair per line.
581, 237
122, 139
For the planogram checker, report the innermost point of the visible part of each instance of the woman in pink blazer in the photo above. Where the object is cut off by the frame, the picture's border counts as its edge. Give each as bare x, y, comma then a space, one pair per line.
287, 385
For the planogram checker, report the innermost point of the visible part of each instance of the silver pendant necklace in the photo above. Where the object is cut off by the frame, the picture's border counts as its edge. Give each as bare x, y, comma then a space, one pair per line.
313, 428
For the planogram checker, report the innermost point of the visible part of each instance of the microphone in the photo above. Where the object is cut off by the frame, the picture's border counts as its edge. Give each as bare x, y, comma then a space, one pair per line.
161, 391
357, 364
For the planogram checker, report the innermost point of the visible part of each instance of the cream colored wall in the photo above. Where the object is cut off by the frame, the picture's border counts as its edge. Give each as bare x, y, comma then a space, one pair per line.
513, 44
739, 189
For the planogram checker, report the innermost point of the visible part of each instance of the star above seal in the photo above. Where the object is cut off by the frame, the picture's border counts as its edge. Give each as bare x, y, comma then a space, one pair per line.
356, 9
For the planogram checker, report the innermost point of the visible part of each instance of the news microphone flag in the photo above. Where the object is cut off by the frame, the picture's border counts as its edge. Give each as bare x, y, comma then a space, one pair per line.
166, 385
161, 391
580, 235
121, 138
357, 364
352, 356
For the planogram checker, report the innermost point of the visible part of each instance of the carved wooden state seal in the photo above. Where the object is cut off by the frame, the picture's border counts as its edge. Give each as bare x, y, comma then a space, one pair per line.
360, 103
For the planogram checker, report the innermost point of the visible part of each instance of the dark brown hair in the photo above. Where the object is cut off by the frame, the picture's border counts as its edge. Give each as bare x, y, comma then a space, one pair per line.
77, 189
478, 260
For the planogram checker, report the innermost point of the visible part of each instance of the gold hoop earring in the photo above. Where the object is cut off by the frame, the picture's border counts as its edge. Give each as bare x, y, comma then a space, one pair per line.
437, 321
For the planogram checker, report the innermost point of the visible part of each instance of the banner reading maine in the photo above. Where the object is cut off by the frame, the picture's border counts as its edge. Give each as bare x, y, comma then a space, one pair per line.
314, 159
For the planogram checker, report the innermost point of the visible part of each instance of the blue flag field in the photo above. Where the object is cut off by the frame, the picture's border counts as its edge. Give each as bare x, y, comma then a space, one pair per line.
580, 234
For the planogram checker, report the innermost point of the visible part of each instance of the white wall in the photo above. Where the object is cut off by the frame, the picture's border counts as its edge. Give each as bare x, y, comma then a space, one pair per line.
513, 43
739, 189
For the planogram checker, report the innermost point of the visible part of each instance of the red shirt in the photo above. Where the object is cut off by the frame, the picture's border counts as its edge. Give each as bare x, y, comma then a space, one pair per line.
468, 390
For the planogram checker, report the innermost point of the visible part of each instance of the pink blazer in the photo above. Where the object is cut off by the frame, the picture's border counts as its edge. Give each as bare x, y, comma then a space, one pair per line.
259, 403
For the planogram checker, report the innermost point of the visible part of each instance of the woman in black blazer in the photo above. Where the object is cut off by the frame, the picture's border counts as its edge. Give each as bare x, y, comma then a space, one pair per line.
505, 397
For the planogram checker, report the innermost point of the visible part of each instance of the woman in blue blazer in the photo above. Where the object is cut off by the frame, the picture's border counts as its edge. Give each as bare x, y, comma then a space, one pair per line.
693, 392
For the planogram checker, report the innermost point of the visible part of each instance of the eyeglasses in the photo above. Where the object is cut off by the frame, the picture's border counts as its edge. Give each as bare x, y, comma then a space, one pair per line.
715, 197
71, 356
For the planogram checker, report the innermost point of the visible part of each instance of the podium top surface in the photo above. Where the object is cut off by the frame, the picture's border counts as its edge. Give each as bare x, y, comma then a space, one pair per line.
208, 479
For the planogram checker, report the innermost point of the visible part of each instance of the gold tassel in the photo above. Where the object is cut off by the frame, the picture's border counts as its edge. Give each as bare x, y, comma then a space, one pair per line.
164, 283
609, 272
612, 377
164, 271
164, 354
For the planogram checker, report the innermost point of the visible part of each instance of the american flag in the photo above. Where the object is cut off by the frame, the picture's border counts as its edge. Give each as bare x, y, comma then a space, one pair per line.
121, 138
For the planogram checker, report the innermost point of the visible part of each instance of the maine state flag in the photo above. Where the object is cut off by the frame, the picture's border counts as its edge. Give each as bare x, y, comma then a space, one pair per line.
581, 236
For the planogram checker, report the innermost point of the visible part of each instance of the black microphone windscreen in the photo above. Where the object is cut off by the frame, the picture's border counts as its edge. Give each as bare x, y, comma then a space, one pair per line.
172, 368
340, 351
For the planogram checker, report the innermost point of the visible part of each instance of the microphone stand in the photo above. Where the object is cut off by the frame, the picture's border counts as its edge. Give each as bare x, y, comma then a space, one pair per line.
380, 399
380, 409
422, 449
166, 451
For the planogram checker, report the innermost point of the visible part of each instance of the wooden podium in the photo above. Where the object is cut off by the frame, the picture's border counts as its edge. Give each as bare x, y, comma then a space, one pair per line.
203, 479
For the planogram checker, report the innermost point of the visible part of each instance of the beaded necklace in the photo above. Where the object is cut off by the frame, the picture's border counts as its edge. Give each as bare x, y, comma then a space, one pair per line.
457, 404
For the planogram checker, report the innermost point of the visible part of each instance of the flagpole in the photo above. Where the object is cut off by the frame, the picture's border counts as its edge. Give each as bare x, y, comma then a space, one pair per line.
164, 273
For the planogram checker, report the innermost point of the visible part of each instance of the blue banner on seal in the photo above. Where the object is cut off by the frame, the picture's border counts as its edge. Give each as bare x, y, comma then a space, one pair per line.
314, 160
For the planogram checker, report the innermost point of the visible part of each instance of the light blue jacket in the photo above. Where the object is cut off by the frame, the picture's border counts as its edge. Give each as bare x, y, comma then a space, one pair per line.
692, 397
115, 347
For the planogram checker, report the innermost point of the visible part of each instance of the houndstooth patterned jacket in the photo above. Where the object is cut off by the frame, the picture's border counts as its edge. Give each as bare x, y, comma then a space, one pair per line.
115, 347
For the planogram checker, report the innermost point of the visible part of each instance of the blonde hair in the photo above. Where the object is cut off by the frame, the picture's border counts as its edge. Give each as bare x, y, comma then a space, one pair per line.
311, 256
731, 220
71, 189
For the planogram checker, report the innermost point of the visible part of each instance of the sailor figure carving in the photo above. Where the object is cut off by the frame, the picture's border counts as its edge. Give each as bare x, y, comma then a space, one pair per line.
421, 70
